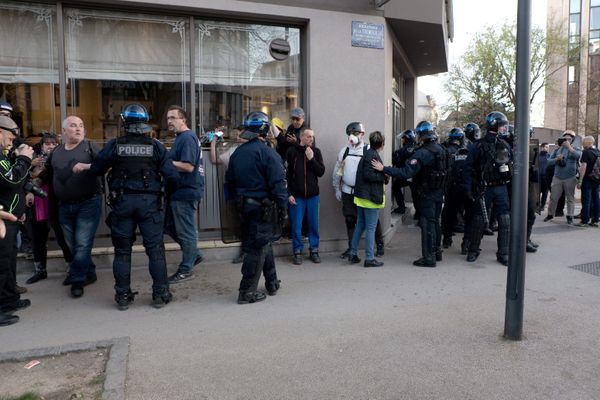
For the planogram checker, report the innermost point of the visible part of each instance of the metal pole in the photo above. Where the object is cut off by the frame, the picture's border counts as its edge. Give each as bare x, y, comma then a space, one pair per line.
62, 80
515, 285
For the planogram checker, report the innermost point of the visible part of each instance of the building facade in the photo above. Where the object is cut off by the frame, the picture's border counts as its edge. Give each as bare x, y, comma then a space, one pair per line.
341, 60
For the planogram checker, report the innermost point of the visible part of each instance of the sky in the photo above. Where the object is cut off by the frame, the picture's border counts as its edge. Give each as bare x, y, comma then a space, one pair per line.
469, 18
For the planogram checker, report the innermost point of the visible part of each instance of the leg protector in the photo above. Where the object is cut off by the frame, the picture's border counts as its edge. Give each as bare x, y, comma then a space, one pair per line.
477, 228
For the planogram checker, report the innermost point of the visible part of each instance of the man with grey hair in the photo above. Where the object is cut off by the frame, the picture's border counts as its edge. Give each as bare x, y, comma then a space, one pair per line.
565, 159
80, 200
292, 136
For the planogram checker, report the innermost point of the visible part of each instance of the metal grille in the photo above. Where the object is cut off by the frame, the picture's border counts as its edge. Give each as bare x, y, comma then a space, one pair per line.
591, 268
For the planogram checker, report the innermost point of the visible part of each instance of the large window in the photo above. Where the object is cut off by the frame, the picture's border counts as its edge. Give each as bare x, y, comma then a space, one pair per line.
117, 58
236, 73
28, 65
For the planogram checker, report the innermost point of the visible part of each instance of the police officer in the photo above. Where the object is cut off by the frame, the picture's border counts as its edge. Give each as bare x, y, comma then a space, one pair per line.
455, 195
139, 164
488, 170
399, 157
256, 177
429, 167
472, 132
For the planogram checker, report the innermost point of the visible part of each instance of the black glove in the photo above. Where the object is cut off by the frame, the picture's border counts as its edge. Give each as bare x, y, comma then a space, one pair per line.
282, 215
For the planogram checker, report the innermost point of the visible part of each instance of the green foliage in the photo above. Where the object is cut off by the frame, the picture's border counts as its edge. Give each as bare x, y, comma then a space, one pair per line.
26, 396
484, 79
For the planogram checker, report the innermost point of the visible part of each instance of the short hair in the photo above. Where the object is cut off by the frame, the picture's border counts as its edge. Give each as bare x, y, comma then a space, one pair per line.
306, 129
588, 140
182, 113
376, 140
65, 124
544, 144
49, 137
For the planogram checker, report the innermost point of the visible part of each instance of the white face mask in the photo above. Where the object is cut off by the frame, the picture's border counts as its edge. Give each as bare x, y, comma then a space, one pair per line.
353, 140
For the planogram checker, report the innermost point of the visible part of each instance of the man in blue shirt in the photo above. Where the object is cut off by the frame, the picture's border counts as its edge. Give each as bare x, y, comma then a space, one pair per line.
180, 218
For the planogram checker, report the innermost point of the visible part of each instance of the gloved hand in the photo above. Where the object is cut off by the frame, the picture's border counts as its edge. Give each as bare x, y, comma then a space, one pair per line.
338, 195
282, 215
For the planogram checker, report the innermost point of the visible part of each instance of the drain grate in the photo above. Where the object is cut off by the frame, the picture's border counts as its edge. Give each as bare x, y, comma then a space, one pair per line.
591, 268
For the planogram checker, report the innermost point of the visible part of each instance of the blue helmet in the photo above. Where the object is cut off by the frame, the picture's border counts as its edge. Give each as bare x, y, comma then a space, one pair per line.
456, 133
426, 131
256, 124
472, 131
409, 135
135, 118
495, 120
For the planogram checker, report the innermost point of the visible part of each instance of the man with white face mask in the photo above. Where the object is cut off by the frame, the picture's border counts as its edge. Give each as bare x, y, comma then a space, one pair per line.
344, 179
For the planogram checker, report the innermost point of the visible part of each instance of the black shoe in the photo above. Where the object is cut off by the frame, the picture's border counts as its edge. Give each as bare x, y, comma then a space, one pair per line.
123, 300
548, 218
471, 257
272, 287
345, 254
159, 300
314, 257
532, 243
77, 289
502, 260
380, 250
530, 248
16, 306
464, 248
179, 277
422, 262
297, 260
354, 259
438, 255
447, 242
67, 281
372, 263
198, 259
251, 297
569, 220
6, 319
37, 276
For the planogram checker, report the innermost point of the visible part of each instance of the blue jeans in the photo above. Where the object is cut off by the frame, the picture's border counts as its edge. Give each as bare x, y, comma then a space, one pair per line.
180, 224
79, 222
367, 221
310, 207
590, 201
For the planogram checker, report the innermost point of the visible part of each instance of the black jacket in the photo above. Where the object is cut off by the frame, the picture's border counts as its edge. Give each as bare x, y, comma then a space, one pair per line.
303, 174
369, 182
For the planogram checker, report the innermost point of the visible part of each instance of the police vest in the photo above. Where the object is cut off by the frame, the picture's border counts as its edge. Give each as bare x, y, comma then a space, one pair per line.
134, 168
435, 175
458, 157
496, 163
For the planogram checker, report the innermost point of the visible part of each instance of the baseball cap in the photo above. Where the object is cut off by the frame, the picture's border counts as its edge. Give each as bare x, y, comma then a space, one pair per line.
297, 113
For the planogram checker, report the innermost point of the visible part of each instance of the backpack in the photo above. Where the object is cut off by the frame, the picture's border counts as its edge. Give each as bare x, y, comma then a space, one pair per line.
436, 176
595, 171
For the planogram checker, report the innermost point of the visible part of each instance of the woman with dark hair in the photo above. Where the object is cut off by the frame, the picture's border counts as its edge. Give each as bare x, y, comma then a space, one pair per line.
45, 211
369, 199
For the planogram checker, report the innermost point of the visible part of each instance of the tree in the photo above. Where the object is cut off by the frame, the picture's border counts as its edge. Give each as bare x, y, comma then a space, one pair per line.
485, 78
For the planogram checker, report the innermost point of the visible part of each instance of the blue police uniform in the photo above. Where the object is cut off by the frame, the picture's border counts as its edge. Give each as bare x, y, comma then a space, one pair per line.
138, 165
429, 178
256, 177
486, 175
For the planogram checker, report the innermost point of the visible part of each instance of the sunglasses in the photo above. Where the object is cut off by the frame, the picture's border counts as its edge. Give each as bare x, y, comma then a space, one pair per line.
14, 131
296, 118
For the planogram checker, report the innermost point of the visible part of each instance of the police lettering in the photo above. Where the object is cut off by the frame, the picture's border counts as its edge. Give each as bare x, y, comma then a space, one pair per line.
134, 150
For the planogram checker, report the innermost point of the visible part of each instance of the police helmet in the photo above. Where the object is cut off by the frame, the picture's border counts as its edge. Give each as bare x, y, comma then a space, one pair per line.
5, 108
426, 131
509, 133
409, 135
495, 120
456, 133
256, 124
472, 131
355, 128
135, 118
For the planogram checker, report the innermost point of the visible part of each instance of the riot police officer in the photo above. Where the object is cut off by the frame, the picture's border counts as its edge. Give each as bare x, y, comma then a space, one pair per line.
472, 132
429, 168
139, 164
399, 158
256, 178
455, 195
487, 172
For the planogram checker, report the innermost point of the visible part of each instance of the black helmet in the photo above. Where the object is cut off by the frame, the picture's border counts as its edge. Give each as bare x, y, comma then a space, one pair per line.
256, 124
472, 131
134, 117
426, 131
355, 128
509, 133
409, 135
456, 133
495, 120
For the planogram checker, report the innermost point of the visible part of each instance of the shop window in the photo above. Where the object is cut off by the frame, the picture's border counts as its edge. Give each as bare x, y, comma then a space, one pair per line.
236, 74
115, 58
28, 65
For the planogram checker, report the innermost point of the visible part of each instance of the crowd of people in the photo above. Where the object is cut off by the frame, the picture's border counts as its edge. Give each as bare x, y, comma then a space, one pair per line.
461, 185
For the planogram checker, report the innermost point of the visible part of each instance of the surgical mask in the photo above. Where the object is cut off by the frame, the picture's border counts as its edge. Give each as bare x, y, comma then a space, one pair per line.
353, 140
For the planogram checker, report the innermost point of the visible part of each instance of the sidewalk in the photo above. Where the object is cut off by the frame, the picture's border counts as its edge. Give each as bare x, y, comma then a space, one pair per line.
338, 331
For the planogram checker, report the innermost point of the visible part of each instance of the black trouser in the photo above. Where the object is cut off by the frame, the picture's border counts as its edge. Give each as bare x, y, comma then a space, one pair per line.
350, 213
453, 205
8, 264
257, 234
429, 222
398, 192
39, 237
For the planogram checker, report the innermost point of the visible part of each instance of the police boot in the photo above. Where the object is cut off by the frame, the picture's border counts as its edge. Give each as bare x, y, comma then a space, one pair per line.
503, 238
124, 299
477, 228
464, 247
39, 274
161, 299
531, 247
424, 262
251, 297
438, 254
427, 245
447, 242
272, 287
